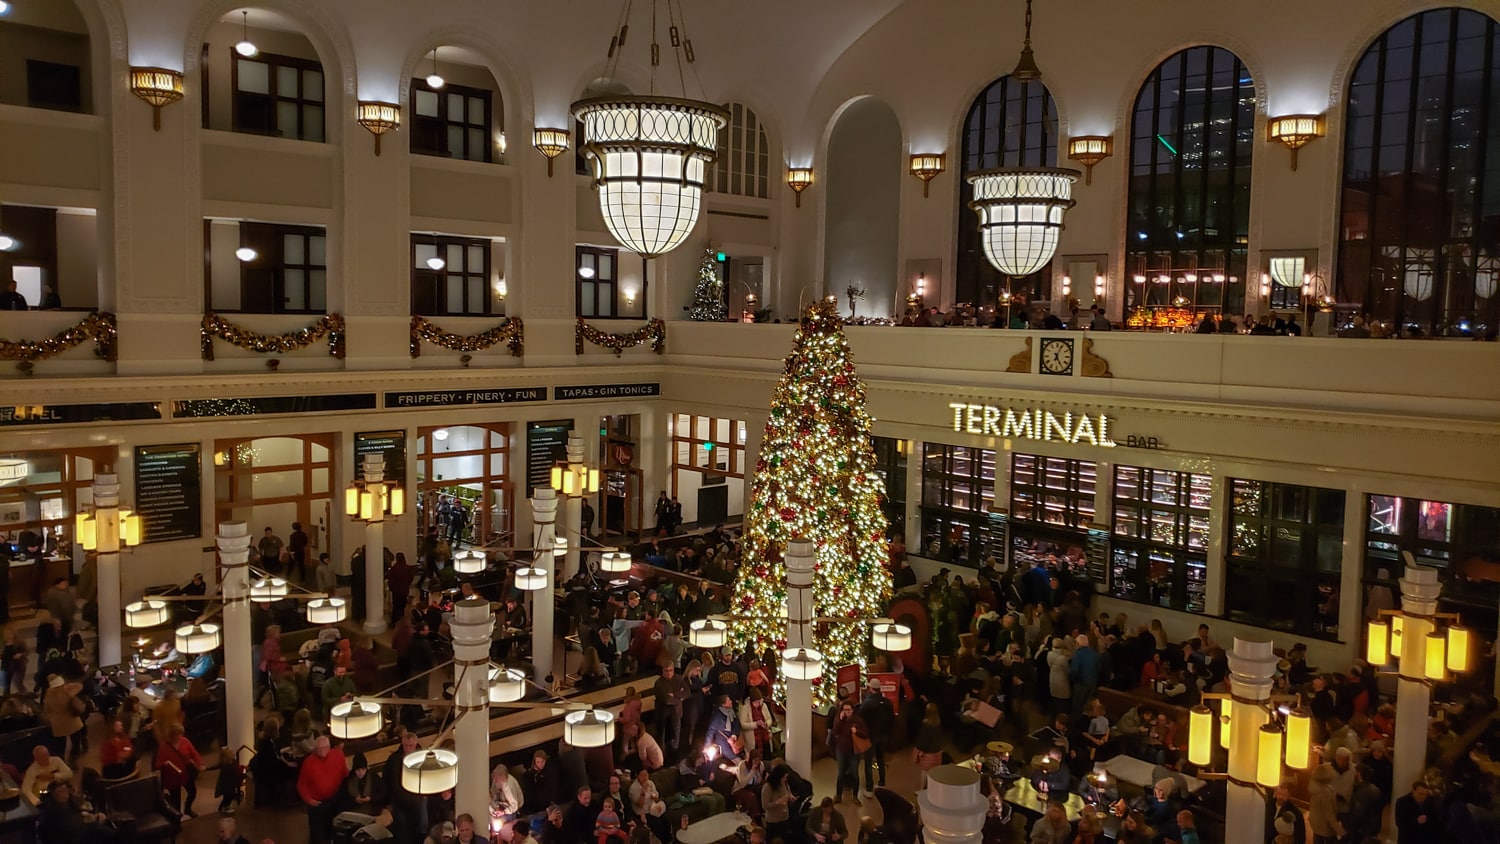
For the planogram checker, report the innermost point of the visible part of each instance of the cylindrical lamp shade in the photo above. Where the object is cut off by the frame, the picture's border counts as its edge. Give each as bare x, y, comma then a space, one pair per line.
589, 728
802, 663
531, 578
614, 562
130, 528
1225, 707
560, 546
891, 637
507, 685
648, 157
351, 500
1435, 666
354, 719
1268, 759
429, 771
367, 505
1020, 215
146, 614
1298, 739
268, 590
327, 610
708, 633
396, 501
88, 532
1398, 624
1458, 649
1200, 735
469, 562
197, 638
1377, 643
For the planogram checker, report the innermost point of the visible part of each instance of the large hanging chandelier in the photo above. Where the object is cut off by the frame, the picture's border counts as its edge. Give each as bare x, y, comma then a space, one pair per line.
648, 154
1021, 208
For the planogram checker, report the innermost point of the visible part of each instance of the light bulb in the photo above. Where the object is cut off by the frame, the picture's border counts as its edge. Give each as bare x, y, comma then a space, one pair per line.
245, 253
4, 8
246, 49
440, 434
436, 263
435, 81
7, 243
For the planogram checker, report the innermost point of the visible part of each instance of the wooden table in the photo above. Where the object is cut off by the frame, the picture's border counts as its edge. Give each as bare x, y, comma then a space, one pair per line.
715, 829
1022, 795
1138, 772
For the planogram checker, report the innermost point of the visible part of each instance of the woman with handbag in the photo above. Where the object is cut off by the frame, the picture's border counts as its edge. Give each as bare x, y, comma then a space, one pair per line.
850, 738
178, 763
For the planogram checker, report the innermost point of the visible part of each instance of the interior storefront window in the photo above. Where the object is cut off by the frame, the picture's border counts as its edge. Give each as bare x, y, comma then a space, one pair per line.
957, 482
1161, 537
1051, 511
1461, 541
1283, 555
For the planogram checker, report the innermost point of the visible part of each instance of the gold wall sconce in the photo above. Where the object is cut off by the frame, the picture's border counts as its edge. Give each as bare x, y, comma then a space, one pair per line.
379, 118
1295, 131
798, 179
1089, 150
926, 166
158, 87
551, 143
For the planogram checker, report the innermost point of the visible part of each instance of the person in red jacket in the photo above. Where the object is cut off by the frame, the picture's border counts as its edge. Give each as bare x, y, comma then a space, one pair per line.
178, 763
318, 783
647, 641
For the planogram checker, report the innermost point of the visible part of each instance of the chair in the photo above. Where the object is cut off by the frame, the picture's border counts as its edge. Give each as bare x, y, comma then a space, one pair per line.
900, 816
142, 810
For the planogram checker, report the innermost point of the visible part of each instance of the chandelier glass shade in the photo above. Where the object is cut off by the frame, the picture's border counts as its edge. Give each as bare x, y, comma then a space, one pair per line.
1020, 214
648, 156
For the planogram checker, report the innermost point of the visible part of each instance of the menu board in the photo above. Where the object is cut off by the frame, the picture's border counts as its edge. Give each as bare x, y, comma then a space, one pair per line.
392, 444
546, 444
990, 539
168, 492
1097, 551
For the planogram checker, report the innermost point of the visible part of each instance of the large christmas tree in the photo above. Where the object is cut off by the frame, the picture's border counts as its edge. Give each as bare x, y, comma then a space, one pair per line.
708, 293
816, 479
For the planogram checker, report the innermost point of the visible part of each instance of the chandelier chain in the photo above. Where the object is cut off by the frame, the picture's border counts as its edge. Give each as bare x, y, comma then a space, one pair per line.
617, 42
1028, 23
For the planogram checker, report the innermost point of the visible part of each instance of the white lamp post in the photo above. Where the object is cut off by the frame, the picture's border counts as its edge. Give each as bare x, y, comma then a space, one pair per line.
233, 540
472, 625
574, 482
799, 635
544, 540
104, 532
369, 500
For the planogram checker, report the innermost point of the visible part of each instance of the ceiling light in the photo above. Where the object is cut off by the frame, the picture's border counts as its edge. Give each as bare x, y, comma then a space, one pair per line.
1026, 69
436, 263
246, 47
8, 243
4, 8
434, 79
440, 434
245, 253
585, 272
1020, 214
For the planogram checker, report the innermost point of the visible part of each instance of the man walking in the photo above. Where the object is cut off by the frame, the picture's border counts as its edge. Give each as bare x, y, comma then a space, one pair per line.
879, 717
318, 783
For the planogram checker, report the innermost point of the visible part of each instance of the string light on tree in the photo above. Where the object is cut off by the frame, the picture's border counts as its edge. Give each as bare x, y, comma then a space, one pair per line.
815, 479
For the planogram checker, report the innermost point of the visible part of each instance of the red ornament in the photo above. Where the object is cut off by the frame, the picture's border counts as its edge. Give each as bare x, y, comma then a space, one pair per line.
780, 644
788, 514
746, 601
841, 381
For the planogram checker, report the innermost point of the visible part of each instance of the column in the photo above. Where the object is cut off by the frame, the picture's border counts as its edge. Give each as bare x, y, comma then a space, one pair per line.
1251, 667
651, 456
543, 532
952, 808
1352, 571
107, 559
755, 429
911, 530
1419, 594
800, 612
374, 469
472, 625
234, 553
1213, 572
573, 510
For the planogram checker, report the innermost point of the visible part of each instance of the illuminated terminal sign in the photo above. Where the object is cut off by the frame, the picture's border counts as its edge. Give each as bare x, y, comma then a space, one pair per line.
1032, 424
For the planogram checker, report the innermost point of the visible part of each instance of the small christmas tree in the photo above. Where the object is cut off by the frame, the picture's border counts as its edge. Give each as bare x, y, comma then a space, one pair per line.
708, 295
815, 479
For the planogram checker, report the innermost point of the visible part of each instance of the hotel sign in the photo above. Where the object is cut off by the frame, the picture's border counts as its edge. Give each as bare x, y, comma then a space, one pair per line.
1032, 424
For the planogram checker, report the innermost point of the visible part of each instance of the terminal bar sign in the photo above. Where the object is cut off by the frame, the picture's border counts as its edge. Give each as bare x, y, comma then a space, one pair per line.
1032, 424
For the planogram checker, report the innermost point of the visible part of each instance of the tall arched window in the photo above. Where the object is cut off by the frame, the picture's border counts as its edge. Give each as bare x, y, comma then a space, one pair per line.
1190, 146
1419, 238
1010, 124
743, 165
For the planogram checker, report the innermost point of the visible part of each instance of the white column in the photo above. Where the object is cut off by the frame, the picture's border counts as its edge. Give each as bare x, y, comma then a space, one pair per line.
800, 612
1351, 617
107, 560
374, 475
1419, 594
234, 553
1251, 667
911, 531
573, 510
952, 808
1213, 573
472, 625
543, 533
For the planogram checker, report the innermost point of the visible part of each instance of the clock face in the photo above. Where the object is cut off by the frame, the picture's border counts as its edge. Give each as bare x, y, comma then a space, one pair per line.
1057, 357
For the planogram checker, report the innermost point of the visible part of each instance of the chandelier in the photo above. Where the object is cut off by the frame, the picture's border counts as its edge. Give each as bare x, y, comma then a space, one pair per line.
648, 154
1021, 208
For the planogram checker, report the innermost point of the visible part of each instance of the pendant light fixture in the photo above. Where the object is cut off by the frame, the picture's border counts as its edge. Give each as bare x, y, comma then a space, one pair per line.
435, 80
1021, 208
246, 47
648, 154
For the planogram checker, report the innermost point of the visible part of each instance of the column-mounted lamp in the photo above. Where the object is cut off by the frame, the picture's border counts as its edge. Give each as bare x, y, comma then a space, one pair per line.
157, 87
1294, 131
379, 118
926, 166
551, 143
1282, 727
798, 179
1089, 150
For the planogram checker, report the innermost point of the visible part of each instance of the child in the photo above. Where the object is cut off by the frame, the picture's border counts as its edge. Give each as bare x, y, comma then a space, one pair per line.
230, 788
607, 825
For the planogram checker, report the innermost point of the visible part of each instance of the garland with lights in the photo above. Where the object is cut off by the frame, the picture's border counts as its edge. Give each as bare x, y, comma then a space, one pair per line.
98, 327
510, 332
654, 331
816, 479
330, 326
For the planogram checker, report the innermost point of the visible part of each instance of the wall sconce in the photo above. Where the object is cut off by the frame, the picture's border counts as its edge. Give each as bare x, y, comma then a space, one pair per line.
501, 289
379, 118
551, 143
1067, 286
798, 178
630, 296
926, 166
1089, 150
919, 290
1294, 131
1099, 283
158, 87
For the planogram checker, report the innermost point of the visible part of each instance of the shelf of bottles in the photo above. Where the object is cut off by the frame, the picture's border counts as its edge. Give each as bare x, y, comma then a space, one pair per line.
1160, 523
1052, 491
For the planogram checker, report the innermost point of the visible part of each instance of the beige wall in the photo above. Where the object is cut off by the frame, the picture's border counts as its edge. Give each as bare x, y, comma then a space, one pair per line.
78, 259
43, 41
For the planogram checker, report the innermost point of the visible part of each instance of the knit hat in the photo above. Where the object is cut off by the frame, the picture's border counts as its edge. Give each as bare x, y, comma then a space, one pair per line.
55, 681
1286, 824
359, 762
1166, 784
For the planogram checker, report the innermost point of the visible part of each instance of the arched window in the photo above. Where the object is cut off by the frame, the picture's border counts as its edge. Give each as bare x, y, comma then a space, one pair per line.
743, 165
1191, 139
1419, 237
1010, 124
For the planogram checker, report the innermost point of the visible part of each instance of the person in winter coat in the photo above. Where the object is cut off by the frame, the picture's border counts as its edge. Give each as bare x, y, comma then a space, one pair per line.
879, 717
1059, 683
178, 764
1323, 805
1083, 673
